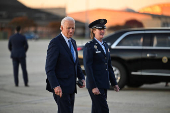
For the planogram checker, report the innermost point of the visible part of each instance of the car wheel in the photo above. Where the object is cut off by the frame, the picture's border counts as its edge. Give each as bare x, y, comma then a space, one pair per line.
120, 74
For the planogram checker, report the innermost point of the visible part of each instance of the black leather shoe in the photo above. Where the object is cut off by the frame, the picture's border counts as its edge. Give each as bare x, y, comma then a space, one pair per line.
26, 85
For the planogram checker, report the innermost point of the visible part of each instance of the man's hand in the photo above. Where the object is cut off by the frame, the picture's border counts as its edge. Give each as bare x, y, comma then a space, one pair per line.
116, 88
83, 84
58, 91
96, 91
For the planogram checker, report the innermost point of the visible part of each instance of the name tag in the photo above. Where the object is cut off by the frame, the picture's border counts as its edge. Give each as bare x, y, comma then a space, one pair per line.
98, 51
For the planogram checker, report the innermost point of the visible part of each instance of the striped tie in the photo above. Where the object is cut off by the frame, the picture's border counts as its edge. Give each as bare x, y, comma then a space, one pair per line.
71, 48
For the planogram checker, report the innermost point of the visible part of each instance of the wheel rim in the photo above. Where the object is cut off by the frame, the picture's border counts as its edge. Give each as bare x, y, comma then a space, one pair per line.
117, 73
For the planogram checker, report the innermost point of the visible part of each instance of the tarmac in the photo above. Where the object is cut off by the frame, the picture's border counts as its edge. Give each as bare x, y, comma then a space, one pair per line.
35, 99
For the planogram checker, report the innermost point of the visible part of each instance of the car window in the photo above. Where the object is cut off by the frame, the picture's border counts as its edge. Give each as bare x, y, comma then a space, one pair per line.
161, 40
132, 40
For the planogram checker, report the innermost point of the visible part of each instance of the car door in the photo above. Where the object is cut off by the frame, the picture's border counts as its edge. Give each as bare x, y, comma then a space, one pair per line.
129, 49
156, 54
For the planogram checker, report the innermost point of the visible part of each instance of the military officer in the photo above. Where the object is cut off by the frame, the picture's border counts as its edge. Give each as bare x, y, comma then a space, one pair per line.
97, 63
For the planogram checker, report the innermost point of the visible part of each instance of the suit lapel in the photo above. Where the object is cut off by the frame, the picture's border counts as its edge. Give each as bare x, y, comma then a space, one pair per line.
63, 42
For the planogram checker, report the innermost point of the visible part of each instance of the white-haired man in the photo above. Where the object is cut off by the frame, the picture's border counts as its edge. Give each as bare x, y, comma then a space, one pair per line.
62, 67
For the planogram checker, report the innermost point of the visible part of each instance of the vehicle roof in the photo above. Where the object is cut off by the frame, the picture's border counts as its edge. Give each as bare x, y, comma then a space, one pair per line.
117, 34
144, 29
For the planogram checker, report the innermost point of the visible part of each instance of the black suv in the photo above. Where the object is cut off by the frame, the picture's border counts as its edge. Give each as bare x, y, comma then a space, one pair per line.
139, 56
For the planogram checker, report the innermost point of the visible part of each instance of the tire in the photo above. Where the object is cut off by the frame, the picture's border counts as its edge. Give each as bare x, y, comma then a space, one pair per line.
120, 74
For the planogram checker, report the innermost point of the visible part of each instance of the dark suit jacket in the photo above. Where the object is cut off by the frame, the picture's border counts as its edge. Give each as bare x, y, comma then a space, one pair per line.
98, 66
60, 68
18, 46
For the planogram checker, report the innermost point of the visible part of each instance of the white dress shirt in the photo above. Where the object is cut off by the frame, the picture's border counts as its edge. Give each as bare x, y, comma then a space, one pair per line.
101, 44
66, 39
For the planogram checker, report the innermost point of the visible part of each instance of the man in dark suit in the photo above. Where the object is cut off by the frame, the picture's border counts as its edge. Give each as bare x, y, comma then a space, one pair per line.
99, 71
62, 67
18, 46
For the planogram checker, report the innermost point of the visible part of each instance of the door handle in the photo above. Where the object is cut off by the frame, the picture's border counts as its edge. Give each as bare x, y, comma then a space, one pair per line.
151, 55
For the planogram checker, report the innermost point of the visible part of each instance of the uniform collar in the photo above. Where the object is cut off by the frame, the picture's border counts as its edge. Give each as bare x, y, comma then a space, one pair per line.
99, 41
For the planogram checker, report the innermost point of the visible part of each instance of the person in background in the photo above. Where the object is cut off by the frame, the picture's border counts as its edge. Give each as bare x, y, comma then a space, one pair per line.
62, 67
18, 47
98, 68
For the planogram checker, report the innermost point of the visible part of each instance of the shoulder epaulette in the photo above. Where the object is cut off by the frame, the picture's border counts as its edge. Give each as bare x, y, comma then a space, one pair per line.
88, 43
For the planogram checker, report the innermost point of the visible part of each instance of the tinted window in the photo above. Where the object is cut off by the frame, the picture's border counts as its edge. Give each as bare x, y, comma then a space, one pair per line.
132, 40
113, 37
161, 40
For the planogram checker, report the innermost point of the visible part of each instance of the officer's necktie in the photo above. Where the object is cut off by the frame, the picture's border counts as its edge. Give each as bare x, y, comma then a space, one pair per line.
72, 49
104, 48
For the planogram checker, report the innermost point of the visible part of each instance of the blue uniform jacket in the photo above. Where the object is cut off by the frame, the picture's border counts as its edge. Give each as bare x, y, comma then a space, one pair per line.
60, 68
98, 66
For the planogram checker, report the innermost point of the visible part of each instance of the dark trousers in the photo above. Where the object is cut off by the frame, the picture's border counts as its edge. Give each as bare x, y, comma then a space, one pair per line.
65, 103
99, 102
16, 62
